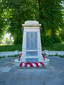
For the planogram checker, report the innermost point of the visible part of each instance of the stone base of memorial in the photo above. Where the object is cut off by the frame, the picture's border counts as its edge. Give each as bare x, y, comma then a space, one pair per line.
17, 62
45, 62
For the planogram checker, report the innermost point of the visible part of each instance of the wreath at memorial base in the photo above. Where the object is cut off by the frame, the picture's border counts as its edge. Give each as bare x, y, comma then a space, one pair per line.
34, 64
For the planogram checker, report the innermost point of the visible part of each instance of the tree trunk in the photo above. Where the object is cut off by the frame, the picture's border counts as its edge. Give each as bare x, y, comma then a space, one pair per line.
39, 3
53, 32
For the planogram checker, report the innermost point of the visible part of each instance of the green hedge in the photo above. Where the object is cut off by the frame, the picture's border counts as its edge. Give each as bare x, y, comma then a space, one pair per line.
48, 40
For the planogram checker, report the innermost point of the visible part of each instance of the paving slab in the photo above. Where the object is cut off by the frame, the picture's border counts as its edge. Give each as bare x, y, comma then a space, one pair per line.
14, 82
53, 81
33, 82
51, 75
5, 69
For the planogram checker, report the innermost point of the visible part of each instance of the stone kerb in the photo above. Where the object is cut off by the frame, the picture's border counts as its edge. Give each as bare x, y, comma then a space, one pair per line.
44, 52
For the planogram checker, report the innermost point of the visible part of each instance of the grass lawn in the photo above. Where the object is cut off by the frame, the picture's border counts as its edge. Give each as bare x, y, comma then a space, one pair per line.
54, 47
10, 48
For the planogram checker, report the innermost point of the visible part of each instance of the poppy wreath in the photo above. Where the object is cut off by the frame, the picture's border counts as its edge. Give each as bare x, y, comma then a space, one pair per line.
19, 57
23, 64
40, 64
43, 56
28, 64
35, 64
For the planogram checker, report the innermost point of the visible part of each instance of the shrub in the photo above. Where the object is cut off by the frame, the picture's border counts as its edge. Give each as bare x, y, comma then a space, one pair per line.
62, 35
57, 39
48, 40
18, 40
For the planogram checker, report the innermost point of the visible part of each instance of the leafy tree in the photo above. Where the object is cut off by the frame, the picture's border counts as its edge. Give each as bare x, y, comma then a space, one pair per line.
8, 41
4, 15
50, 16
2, 29
19, 11
15, 12
61, 33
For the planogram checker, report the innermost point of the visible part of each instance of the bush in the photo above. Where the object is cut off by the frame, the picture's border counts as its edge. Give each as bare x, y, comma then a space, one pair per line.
57, 39
62, 35
48, 40
18, 40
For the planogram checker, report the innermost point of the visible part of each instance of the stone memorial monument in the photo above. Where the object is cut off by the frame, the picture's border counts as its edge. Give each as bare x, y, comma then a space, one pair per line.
31, 47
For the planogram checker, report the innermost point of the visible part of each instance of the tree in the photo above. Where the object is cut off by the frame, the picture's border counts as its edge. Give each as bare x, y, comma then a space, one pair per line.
61, 33
20, 11
2, 29
4, 15
16, 12
8, 41
50, 15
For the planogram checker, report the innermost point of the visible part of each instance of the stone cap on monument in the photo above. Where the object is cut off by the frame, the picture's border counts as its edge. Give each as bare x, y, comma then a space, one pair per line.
31, 23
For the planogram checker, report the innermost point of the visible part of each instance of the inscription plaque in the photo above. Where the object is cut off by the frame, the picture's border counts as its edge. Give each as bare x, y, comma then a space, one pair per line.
31, 60
31, 53
31, 40
31, 43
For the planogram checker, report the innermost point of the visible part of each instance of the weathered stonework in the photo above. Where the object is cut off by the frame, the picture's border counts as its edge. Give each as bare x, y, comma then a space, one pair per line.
31, 47
31, 26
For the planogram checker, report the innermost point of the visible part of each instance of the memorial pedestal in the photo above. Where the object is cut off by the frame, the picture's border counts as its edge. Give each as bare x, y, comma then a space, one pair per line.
31, 48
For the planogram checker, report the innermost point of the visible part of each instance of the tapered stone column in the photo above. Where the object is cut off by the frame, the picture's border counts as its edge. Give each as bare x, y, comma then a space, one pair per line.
31, 49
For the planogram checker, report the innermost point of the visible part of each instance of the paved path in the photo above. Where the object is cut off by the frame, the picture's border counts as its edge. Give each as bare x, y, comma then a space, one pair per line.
51, 75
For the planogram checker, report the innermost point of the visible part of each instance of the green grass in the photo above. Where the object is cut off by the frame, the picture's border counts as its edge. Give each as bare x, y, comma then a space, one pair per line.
5, 48
54, 47
9, 56
2, 57
62, 56
13, 55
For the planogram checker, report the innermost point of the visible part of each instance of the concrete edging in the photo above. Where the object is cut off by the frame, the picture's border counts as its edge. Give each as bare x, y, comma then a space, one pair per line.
18, 52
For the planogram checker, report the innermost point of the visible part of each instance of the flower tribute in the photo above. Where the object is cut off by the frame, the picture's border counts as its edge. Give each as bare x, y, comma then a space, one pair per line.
34, 64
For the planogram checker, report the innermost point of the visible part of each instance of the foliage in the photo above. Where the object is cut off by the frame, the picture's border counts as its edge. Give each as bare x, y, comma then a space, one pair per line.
61, 34
13, 55
2, 21
62, 56
8, 41
46, 40
2, 57
56, 54
9, 56
13, 13
11, 47
19, 11
50, 16
57, 39
54, 47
